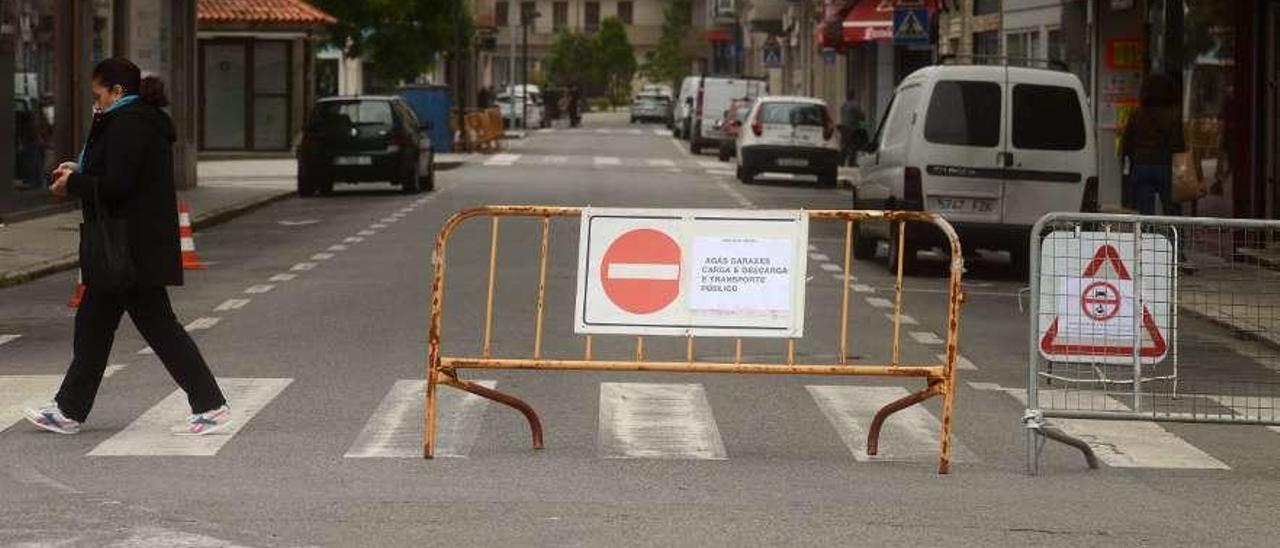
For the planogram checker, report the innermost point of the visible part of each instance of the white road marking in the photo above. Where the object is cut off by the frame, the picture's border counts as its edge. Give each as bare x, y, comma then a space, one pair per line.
657, 421
151, 435
1121, 444
302, 222
903, 319
322, 256
282, 277
912, 434
395, 429
661, 162
404, 210
607, 160
502, 160
366, 233
337, 247
813, 247
259, 289
625, 271
662, 132
231, 304
352, 240
720, 172
604, 130
557, 160
926, 337
377, 226
879, 302
19, 391
863, 288
390, 219
635, 132
200, 324
819, 257
710, 164
962, 362
302, 267
830, 267
5, 339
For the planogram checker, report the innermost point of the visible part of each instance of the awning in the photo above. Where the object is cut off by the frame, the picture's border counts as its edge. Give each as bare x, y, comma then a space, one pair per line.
872, 20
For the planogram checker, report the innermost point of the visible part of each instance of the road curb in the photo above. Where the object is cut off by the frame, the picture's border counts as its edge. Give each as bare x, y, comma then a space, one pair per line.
198, 221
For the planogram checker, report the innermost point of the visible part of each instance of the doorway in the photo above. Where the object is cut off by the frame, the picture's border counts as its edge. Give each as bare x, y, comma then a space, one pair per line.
1271, 107
246, 85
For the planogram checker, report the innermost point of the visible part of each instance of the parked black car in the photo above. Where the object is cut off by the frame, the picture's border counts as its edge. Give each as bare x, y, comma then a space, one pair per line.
364, 139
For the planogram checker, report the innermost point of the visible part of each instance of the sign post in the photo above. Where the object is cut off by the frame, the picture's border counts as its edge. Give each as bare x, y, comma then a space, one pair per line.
692, 272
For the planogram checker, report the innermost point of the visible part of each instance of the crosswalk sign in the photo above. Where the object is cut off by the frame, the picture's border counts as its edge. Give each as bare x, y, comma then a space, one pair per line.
911, 26
772, 55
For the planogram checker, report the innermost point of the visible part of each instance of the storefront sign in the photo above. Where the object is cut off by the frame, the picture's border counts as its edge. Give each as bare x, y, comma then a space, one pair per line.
1124, 53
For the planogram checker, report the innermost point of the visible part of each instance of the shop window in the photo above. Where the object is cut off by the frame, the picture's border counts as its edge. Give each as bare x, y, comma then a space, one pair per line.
1047, 118
964, 113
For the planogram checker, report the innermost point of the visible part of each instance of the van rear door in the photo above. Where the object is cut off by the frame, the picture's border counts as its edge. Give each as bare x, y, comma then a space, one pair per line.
1049, 153
961, 149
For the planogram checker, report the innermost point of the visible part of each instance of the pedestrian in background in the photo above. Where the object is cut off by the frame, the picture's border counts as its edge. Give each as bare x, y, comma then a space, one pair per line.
853, 136
125, 172
1151, 138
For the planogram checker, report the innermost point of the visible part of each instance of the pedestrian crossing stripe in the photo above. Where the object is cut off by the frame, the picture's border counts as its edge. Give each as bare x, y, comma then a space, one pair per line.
152, 433
657, 421
21, 391
5, 339
912, 434
395, 429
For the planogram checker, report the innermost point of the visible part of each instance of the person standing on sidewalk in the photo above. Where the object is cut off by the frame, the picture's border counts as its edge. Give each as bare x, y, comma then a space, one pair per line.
127, 161
852, 135
1151, 138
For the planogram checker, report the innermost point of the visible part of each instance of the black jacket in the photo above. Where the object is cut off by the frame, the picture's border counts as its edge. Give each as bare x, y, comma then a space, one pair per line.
129, 158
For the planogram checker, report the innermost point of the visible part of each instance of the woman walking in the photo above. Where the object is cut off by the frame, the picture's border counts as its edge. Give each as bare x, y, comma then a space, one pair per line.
1151, 138
125, 174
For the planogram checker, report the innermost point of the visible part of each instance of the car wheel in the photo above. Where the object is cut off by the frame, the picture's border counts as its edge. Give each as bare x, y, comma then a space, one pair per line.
724, 153
864, 245
306, 186
830, 178
745, 175
409, 182
428, 183
324, 187
910, 261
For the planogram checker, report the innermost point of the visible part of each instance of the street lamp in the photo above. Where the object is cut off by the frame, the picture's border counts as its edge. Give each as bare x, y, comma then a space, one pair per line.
525, 20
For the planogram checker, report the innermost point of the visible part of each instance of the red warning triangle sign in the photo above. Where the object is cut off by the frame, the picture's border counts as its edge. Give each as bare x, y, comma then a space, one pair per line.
1049, 345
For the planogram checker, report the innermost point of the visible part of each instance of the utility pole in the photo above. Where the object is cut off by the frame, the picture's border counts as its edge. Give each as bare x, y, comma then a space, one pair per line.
524, 70
460, 80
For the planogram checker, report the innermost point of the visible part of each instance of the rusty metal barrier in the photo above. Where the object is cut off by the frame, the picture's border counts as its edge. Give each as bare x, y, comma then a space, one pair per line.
940, 378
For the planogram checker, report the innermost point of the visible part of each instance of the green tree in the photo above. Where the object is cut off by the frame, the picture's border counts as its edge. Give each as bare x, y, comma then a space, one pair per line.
669, 61
615, 60
571, 59
402, 38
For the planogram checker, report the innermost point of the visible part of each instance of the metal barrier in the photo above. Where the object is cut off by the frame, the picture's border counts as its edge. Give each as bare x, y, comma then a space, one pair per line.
484, 129
1143, 318
444, 369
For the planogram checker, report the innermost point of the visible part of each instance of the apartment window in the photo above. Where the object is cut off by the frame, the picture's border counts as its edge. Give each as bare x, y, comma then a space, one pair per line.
560, 16
984, 7
1023, 46
985, 46
624, 12
591, 16
526, 12
1057, 49
501, 17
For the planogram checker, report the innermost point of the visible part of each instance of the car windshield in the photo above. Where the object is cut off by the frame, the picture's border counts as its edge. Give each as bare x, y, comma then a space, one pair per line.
358, 113
799, 114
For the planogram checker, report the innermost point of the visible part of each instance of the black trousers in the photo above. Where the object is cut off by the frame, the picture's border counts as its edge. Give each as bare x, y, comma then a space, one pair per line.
152, 313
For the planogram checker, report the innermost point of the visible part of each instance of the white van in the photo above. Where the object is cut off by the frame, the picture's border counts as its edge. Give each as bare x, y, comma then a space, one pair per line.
712, 97
684, 107
990, 148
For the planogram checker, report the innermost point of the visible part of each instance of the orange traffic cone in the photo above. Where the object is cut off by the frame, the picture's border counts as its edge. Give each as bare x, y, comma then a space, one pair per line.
79, 295
189, 259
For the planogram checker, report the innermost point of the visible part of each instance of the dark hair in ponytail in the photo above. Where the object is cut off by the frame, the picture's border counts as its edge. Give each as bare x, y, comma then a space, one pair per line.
118, 71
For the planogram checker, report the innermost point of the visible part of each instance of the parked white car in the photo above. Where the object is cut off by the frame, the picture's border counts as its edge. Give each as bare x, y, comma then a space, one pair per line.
786, 134
990, 148
513, 110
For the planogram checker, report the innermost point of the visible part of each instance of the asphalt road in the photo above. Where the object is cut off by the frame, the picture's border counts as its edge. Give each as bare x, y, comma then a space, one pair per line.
324, 366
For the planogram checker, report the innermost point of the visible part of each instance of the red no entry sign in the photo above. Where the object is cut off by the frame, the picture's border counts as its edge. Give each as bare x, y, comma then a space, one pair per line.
1100, 301
640, 271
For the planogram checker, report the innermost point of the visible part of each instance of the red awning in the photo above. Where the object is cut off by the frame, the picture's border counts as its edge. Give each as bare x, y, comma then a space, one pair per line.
718, 35
872, 20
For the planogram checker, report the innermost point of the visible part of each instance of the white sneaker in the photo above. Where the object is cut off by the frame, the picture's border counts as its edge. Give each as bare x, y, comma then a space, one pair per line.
208, 422
50, 418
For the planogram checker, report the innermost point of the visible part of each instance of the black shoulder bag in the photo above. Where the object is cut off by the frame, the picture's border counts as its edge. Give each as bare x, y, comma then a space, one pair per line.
104, 250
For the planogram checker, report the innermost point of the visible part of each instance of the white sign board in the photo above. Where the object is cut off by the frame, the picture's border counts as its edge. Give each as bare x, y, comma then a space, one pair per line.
1100, 305
701, 272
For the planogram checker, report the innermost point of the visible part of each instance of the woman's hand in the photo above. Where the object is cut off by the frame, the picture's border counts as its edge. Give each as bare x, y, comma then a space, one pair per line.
66, 166
59, 186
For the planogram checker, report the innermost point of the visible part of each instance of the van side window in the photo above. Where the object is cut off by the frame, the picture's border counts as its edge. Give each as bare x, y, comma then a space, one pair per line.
897, 125
964, 113
1047, 118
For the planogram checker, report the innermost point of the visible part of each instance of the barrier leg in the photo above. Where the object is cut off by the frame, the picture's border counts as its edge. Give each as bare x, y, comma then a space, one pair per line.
948, 401
535, 425
1038, 428
873, 436
429, 414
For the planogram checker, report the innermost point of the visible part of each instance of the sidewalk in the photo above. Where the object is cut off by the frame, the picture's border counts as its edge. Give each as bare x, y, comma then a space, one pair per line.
39, 247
